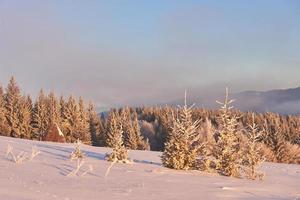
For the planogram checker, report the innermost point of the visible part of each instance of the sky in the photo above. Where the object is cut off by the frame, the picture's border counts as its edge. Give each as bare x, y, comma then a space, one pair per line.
140, 52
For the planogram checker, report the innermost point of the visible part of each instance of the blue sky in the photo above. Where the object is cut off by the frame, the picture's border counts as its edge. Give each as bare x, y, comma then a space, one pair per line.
143, 52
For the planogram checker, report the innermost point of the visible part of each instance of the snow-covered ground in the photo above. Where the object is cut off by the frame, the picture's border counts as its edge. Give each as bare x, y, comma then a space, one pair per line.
45, 177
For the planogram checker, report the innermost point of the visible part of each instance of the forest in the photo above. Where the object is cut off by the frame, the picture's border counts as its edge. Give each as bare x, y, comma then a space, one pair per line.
277, 137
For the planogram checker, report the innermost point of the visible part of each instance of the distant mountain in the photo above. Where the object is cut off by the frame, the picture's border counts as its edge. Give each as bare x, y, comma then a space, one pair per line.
283, 101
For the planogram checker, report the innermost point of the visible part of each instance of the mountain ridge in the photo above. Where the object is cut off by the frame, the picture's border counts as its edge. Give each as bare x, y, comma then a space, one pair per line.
282, 101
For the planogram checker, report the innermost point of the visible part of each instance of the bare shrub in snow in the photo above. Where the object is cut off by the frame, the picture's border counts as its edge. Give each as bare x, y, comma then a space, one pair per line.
80, 163
90, 169
78, 155
109, 168
34, 152
78, 168
19, 159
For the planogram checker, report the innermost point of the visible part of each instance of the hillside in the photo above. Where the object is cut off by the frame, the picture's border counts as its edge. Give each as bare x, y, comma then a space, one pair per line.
45, 177
282, 101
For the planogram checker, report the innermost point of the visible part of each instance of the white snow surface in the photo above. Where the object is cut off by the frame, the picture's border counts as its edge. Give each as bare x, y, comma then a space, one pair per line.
45, 177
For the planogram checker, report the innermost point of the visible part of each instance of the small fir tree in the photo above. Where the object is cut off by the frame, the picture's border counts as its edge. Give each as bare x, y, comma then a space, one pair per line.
83, 126
228, 161
128, 132
142, 144
94, 125
115, 140
253, 157
183, 145
75, 121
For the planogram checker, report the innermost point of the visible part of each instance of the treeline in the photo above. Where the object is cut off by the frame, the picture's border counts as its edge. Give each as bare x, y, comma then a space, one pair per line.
146, 128
21, 117
155, 123
279, 140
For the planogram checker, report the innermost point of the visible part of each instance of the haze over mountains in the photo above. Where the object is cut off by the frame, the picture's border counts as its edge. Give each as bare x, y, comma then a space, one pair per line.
283, 101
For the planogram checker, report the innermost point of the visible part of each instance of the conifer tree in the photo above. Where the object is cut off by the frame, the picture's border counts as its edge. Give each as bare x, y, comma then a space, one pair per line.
53, 109
4, 128
25, 117
165, 124
253, 157
12, 106
133, 138
39, 114
142, 144
127, 128
112, 124
62, 106
276, 142
183, 145
114, 139
71, 119
228, 160
83, 126
95, 125
75, 122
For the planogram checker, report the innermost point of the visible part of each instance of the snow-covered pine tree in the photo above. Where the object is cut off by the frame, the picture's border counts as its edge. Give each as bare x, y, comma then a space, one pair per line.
62, 106
70, 119
25, 117
39, 114
112, 124
206, 161
165, 124
4, 128
75, 121
228, 160
133, 138
12, 105
142, 144
274, 138
253, 157
114, 139
131, 131
95, 125
127, 129
83, 127
183, 145
53, 109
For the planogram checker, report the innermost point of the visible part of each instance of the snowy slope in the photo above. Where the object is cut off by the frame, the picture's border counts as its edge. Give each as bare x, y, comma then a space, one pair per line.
45, 178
